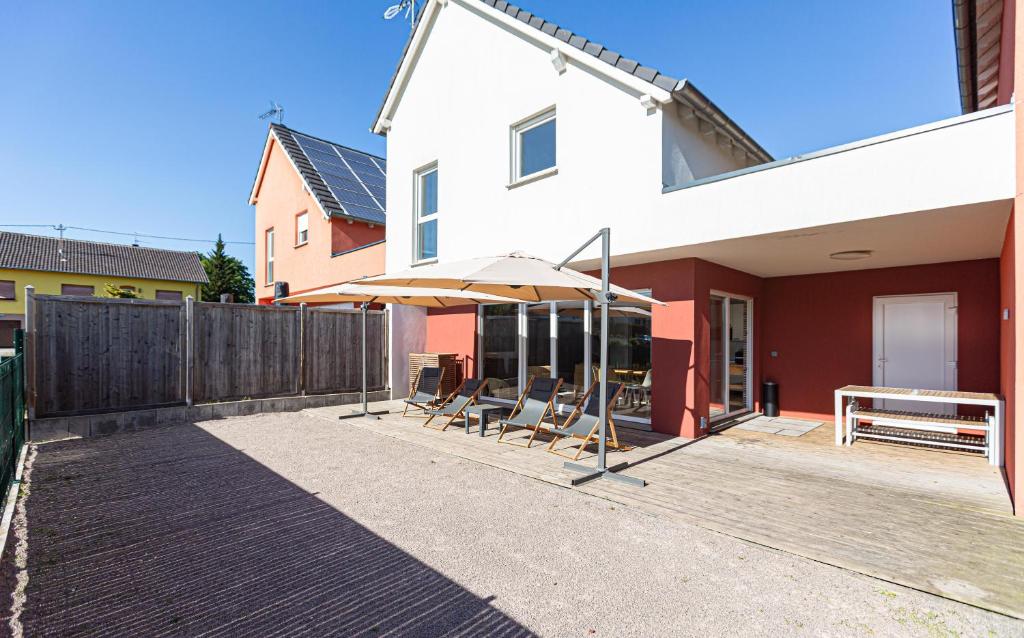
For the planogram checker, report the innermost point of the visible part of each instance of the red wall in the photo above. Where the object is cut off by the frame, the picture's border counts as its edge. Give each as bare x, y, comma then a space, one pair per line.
1006, 52
680, 388
821, 327
454, 330
346, 236
1007, 347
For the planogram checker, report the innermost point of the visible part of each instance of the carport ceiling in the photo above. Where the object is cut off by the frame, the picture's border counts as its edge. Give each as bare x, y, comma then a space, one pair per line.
957, 233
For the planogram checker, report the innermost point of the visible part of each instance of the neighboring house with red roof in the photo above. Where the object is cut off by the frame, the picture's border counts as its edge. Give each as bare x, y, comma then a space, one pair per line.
319, 214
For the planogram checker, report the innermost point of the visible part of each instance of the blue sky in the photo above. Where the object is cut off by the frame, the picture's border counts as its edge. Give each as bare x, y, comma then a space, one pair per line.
141, 117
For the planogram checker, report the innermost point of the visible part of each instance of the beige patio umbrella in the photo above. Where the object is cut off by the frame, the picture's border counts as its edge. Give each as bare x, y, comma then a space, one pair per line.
365, 295
531, 279
428, 297
516, 275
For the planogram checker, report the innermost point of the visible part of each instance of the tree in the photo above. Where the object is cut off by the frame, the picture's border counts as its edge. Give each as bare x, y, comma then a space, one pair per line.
121, 293
227, 274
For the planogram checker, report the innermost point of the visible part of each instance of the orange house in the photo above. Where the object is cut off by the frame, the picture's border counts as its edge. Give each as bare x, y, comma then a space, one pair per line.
319, 214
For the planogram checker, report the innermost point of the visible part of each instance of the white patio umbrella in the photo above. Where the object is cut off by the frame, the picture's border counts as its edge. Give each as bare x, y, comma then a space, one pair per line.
527, 279
365, 295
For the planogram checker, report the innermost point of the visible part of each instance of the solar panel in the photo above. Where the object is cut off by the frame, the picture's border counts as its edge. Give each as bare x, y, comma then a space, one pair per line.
355, 179
366, 178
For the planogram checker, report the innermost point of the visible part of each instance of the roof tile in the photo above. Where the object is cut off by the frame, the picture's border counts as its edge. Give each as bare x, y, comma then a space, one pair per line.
645, 73
51, 254
627, 65
666, 82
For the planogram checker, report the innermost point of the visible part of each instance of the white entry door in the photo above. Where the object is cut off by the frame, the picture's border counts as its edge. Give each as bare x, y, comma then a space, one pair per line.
915, 347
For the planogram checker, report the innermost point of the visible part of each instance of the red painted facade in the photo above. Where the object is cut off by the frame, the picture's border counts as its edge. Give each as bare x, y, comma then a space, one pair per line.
453, 330
820, 325
1008, 346
280, 197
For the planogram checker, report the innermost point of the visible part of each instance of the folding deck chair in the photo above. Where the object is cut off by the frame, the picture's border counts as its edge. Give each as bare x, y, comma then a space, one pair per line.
464, 396
584, 422
425, 389
537, 400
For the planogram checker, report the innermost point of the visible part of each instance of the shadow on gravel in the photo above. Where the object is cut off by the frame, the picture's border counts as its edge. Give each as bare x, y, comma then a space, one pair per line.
172, 531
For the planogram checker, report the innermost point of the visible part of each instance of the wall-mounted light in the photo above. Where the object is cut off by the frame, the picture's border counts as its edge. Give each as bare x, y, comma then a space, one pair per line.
851, 255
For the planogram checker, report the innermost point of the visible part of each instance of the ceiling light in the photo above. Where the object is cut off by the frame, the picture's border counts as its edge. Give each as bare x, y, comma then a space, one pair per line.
851, 255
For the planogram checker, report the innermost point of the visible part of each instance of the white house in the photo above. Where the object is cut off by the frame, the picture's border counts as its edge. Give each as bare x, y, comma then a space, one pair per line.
506, 132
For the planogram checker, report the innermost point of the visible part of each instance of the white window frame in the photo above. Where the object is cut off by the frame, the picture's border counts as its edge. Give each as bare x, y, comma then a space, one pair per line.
749, 380
268, 237
418, 218
515, 147
301, 218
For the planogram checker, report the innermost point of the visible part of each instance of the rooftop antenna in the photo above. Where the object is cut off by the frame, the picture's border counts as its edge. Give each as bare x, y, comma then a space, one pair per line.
409, 6
60, 228
276, 110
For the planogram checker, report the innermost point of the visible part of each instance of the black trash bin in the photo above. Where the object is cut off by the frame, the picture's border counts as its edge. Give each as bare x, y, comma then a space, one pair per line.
770, 398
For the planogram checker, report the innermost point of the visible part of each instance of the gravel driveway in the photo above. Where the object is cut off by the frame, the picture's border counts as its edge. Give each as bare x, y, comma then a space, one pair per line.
294, 525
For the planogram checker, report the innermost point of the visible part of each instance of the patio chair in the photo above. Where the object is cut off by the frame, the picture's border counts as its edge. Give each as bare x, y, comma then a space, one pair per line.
537, 400
584, 422
463, 396
425, 389
637, 393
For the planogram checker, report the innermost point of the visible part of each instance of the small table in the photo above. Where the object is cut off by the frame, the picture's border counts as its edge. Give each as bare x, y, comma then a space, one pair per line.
993, 401
482, 412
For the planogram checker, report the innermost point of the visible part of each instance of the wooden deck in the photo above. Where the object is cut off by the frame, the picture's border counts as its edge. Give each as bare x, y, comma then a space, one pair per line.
933, 520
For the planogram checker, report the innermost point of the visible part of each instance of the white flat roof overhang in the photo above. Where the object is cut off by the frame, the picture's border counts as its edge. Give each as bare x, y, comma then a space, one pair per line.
939, 192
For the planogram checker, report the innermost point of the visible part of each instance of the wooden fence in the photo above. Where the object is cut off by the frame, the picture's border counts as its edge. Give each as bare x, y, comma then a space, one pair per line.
90, 355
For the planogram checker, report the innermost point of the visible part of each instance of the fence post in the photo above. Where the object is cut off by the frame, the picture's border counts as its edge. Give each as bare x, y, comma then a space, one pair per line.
189, 348
18, 402
29, 360
303, 318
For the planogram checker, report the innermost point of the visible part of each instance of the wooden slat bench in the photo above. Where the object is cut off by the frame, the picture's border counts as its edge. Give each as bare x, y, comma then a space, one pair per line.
905, 426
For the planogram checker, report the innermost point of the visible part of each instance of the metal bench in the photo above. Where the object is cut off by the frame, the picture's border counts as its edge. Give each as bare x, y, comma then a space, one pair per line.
903, 426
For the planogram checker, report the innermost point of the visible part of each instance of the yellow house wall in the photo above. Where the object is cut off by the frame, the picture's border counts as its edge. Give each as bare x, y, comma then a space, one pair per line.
49, 283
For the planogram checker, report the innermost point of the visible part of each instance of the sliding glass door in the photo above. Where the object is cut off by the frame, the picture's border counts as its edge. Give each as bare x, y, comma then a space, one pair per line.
730, 352
499, 350
562, 340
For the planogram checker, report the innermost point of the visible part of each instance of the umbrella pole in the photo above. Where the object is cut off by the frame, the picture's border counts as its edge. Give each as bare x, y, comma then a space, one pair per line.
364, 307
602, 470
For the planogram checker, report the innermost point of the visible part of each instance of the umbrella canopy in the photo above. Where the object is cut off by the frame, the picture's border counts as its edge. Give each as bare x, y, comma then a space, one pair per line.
428, 297
516, 275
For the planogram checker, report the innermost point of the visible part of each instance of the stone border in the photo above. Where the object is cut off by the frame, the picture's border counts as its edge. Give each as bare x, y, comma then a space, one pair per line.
88, 425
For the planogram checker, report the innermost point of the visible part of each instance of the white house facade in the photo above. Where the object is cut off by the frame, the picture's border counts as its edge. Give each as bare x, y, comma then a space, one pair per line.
508, 133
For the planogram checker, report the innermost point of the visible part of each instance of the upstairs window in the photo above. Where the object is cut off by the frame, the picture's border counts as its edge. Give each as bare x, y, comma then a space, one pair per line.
533, 146
270, 256
301, 229
426, 214
6, 289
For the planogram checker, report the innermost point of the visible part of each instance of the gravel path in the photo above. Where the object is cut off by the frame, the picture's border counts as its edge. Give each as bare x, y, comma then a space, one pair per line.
290, 525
